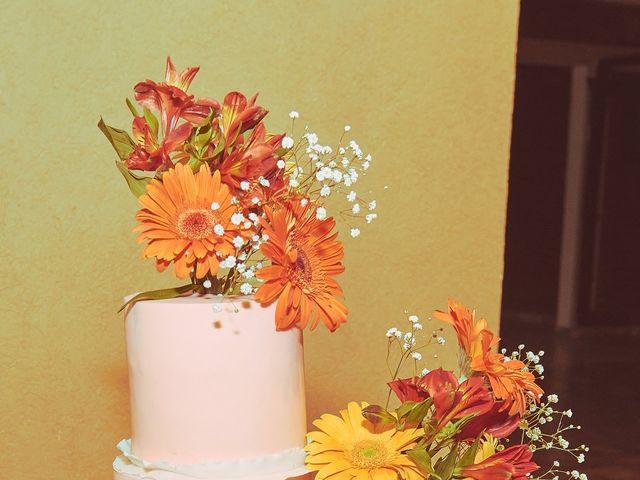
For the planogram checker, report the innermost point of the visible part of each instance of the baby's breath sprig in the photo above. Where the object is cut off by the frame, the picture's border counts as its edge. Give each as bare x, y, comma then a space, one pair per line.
411, 345
318, 172
543, 427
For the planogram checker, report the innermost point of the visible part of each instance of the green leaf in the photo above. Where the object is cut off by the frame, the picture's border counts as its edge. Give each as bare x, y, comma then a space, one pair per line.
202, 136
405, 408
137, 184
423, 460
470, 454
162, 294
119, 139
416, 413
132, 108
151, 119
377, 414
195, 164
446, 465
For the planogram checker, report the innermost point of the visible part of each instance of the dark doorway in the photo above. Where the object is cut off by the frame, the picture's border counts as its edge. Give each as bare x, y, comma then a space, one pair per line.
611, 259
536, 188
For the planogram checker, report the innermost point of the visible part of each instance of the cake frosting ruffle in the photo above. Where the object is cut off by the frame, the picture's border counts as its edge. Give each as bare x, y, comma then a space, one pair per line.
278, 466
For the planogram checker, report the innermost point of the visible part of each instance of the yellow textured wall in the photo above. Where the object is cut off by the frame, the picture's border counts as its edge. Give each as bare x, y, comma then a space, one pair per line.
427, 87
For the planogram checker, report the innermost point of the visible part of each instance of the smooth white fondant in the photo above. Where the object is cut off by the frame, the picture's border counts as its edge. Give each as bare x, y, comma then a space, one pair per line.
212, 380
279, 466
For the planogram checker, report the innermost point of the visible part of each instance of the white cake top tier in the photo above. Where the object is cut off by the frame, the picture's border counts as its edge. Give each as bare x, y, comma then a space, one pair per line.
212, 380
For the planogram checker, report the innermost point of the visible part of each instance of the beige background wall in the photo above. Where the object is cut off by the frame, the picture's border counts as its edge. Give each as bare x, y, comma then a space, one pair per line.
427, 87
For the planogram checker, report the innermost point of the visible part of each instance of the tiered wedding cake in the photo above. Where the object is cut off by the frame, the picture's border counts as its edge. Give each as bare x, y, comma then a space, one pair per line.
216, 392
239, 214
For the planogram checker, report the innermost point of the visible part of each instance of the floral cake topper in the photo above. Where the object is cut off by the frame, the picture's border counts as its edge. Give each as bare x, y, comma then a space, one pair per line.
236, 209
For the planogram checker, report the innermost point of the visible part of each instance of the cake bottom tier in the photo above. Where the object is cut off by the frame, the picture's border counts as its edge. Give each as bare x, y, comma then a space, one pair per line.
279, 466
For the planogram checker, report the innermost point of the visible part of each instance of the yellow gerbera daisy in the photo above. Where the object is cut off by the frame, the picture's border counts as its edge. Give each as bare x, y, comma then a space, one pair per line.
350, 447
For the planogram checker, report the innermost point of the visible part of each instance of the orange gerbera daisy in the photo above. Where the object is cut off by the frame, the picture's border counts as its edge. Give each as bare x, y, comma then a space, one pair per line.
186, 220
509, 379
305, 256
468, 328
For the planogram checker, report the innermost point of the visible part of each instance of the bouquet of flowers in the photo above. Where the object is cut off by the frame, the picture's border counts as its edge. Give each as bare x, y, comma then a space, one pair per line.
235, 209
485, 423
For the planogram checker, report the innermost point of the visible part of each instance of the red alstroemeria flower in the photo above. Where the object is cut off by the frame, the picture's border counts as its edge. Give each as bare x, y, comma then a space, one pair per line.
514, 463
256, 159
453, 401
496, 422
171, 99
154, 145
181, 80
150, 154
239, 115
408, 390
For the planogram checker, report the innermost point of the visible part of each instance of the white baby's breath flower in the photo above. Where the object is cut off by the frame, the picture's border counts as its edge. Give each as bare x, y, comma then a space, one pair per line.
321, 213
347, 128
244, 185
355, 232
356, 208
255, 200
424, 372
294, 114
293, 182
371, 217
238, 241
414, 318
417, 326
241, 267
228, 262
217, 308
246, 288
391, 332
215, 206
218, 229
365, 165
416, 356
264, 182
248, 273
281, 164
287, 142
304, 202
325, 191
351, 196
312, 138
237, 218
372, 205
206, 283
